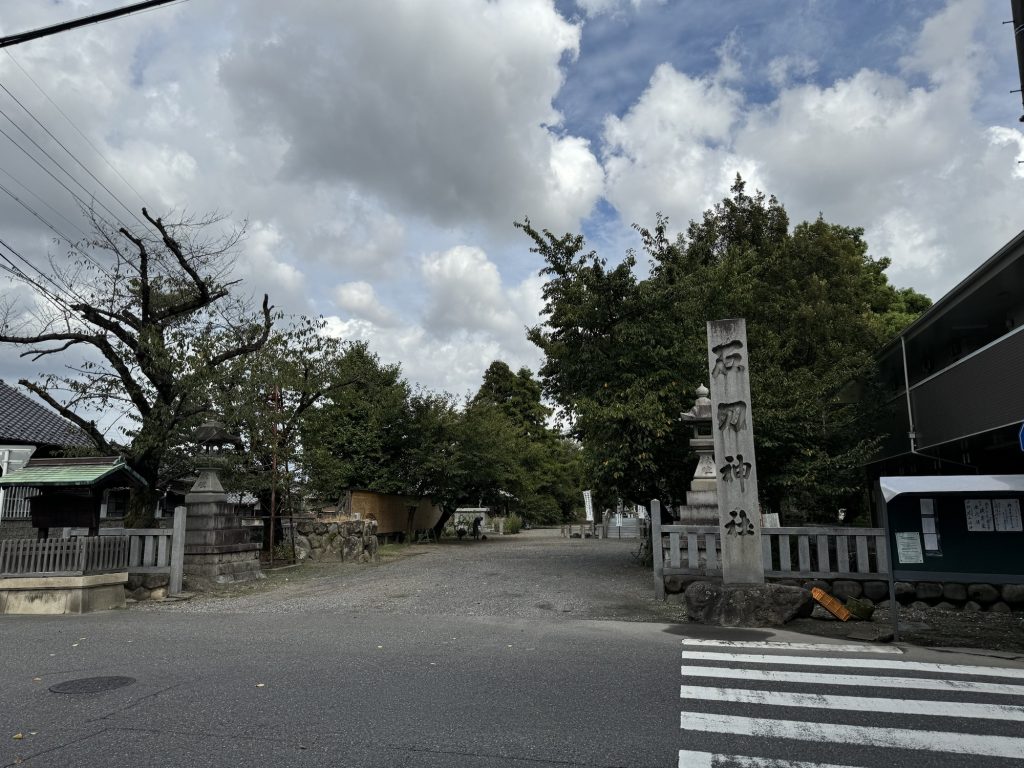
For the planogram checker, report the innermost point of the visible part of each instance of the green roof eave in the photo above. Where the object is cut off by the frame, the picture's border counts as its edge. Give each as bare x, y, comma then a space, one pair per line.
69, 476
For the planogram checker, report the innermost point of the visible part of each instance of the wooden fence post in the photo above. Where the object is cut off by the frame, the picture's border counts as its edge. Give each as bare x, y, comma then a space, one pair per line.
177, 552
656, 553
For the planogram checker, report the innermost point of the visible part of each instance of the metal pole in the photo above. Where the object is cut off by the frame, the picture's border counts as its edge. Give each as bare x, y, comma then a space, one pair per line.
883, 507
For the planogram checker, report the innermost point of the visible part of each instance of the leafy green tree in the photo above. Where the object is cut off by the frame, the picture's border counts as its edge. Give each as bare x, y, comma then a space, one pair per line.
359, 436
623, 355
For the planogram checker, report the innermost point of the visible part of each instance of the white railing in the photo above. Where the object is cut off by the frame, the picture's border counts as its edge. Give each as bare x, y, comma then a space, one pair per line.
824, 553
156, 550
821, 552
63, 557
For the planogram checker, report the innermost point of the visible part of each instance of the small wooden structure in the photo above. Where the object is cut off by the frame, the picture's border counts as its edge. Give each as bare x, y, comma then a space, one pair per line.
71, 489
73, 575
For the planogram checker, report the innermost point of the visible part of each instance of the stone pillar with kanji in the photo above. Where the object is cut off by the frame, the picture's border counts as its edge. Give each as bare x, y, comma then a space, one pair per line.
736, 470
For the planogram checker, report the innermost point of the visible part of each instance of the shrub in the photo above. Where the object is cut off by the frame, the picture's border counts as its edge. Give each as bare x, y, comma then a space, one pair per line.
513, 524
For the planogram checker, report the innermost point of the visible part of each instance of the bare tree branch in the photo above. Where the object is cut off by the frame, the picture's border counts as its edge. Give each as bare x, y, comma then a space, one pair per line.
88, 427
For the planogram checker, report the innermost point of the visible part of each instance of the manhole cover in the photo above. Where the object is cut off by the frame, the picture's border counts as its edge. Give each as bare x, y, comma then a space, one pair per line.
92, 684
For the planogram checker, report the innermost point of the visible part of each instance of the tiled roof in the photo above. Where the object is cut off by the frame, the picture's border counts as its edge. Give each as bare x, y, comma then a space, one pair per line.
39, 473
25, 421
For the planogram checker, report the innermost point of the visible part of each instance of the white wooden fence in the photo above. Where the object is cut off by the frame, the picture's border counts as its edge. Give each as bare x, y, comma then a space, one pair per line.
156, 550
821, 552
15, 503
63, 557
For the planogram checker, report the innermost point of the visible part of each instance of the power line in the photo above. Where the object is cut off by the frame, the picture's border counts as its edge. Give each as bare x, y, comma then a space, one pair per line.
24, 186
74, 126
50, 173
69, 152
96, 18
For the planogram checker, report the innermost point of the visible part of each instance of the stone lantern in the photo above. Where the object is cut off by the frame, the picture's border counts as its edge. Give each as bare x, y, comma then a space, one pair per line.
218, 548
702, 499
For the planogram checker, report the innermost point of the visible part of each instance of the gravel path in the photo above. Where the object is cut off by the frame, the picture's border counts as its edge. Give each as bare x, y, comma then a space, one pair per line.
534, 574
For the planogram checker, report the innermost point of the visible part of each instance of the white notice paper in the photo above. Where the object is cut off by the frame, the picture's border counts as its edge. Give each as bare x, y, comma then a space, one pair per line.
1007, 514
979, 514
908, 548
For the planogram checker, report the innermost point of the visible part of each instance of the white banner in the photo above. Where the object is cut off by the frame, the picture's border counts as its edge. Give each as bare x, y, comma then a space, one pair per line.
588, 505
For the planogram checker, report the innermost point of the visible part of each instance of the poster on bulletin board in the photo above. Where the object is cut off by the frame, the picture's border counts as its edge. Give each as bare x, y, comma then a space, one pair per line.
1006, 514
979, 515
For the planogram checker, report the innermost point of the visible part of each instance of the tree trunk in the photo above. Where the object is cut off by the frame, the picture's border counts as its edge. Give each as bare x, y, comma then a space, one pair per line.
142, 502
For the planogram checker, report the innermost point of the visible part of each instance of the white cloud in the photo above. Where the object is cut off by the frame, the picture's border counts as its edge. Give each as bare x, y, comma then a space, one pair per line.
359, 299
442, 109
936, 189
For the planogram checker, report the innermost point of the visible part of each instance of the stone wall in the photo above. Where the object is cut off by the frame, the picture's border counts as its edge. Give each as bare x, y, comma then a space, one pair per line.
950, 596
350, 541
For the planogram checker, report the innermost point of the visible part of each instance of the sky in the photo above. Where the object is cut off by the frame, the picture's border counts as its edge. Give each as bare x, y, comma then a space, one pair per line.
380, 152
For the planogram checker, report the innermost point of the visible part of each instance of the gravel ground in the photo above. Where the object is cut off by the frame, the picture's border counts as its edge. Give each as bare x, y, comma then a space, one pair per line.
534, 574
538, 574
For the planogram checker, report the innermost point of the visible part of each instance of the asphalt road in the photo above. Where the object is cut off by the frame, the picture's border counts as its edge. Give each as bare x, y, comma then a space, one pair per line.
526, 651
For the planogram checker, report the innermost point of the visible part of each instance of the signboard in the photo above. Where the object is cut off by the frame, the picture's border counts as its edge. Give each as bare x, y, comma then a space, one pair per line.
908, 548
979, 515
1020, 437
1006, 514
588, 504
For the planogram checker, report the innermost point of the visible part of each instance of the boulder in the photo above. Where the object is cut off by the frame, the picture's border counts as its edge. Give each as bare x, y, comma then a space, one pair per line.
160, 593
905, 592
320, 528
315, 541
736, 605
1013, 594
876, 590
999, 608
821, 614
147, 580
985, 594
846, 589
955, 593
920, 605
302, 547
677, 583
928, 590
884, 605
332, 528
944, 606
352, 547
139, 593
809, 585
305, 527
971, 607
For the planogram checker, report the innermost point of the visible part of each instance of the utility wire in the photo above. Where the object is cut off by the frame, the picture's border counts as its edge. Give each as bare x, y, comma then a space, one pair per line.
51, 174
96, 18
69, 152
21, 184
73, 125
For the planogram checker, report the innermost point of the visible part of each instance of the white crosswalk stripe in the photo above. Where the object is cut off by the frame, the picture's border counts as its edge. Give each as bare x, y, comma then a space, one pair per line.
962, 728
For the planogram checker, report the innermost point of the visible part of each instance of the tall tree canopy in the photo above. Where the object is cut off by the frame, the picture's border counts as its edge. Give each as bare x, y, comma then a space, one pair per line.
623, 355
152, 315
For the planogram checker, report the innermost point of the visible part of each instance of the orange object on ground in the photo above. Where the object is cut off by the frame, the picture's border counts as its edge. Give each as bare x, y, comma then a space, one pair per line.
831, 604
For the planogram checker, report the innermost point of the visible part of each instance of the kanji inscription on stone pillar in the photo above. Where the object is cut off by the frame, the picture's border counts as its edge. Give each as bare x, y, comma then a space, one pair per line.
736, 475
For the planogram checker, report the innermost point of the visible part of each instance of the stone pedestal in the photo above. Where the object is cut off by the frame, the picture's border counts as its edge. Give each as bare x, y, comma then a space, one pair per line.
62, 594
218, 549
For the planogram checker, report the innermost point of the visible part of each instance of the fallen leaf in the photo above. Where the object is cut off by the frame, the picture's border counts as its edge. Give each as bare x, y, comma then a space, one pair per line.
380, 646
261, 685
74, 645
32, 733
37, 679
19, 736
